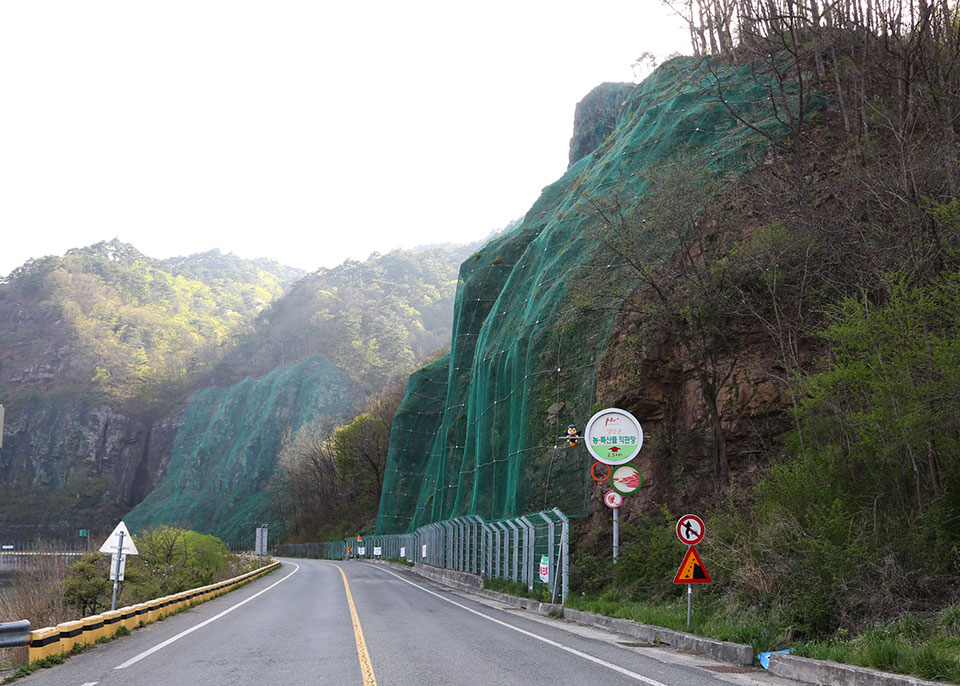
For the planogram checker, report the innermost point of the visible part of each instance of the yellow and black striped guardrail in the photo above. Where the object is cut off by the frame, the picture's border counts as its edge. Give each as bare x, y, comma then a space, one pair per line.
56, 640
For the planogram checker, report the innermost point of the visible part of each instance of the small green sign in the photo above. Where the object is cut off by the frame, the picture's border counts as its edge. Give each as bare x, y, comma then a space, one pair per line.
83, 533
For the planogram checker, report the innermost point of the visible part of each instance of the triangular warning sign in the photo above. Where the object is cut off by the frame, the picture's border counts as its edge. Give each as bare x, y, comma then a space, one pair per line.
692, 570
112, 544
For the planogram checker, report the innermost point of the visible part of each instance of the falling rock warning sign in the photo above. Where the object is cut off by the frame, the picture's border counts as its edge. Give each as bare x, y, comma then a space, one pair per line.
692, 570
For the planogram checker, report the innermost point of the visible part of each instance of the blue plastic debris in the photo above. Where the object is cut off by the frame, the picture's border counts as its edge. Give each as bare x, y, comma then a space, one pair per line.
764, 658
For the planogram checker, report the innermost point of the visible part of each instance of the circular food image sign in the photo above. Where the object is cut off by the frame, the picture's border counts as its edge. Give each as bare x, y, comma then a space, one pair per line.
613, 436
612, 499
626, 479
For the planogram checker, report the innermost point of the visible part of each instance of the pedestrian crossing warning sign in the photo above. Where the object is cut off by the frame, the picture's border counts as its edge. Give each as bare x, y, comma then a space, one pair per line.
692, 570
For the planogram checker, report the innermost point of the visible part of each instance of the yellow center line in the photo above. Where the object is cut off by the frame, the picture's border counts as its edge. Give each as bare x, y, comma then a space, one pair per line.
366, 668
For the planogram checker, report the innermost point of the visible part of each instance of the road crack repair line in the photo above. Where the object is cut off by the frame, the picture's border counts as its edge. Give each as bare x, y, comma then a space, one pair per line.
366, 667
161, 646
572, 651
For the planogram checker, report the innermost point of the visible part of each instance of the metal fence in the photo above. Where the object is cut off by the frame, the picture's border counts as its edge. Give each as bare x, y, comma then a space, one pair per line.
518, 550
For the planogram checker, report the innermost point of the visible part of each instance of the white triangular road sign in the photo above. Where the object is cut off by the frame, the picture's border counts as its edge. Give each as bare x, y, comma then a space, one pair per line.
112, 544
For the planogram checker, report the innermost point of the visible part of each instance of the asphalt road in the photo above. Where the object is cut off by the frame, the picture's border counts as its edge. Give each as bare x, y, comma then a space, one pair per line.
357, 624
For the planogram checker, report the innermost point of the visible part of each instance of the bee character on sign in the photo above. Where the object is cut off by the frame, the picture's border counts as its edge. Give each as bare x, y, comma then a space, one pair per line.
572, 435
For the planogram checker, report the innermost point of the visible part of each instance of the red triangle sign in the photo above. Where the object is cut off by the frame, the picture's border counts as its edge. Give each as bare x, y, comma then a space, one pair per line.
692, 570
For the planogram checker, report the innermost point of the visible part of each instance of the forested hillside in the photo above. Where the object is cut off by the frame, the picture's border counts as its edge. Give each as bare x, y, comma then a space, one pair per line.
108, 321
374, 319
104, 352
759, 258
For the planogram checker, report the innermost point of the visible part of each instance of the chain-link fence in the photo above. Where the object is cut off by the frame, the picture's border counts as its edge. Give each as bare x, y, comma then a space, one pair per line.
532, 550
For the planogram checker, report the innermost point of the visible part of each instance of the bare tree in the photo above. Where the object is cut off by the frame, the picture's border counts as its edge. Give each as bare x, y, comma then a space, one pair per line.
686, 295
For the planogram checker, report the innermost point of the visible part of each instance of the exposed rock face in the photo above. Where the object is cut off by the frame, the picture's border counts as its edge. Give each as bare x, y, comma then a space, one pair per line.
79, 461
595, 118
677, 459
524, 352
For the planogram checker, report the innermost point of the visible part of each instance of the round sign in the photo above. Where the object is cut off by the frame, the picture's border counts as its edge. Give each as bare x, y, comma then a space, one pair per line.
604, 475
626, 479
612, 499
613, 436
690, 529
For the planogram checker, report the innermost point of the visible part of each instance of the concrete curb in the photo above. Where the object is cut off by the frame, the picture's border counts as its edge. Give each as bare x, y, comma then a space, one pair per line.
803, 669
724, 651
812, 671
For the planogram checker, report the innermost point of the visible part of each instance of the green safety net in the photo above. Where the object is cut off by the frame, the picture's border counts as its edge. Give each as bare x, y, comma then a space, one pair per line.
478, 432
227, 445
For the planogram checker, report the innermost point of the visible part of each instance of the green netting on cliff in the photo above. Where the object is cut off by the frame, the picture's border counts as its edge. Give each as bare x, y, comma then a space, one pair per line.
515, 379
227, 445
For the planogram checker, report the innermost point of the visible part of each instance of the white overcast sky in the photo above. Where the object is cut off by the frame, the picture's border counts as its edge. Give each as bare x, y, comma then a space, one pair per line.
302, 131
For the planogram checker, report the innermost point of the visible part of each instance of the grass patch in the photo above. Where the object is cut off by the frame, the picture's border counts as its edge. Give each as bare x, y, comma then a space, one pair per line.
29, 669
727, 624
540, 592
924, 647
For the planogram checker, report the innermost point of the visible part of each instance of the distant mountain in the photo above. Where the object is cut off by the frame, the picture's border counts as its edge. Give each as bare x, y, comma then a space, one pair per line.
106, 320
374, 319
106, 353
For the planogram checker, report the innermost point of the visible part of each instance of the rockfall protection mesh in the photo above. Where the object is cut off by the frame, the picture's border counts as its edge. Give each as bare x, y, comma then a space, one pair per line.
477, 433
227, 445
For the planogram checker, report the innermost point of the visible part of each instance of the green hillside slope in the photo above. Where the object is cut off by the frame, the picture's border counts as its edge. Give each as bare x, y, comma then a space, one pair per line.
517, 374
227, 443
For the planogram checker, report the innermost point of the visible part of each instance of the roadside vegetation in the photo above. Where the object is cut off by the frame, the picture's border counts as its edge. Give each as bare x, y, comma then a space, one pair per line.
839, 259
170, 560
329, 478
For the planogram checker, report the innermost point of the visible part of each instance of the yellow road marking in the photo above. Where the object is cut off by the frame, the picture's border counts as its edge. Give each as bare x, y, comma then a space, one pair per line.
365, 667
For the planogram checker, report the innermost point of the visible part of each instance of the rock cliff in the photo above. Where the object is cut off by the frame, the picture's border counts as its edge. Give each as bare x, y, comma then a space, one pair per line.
524, 358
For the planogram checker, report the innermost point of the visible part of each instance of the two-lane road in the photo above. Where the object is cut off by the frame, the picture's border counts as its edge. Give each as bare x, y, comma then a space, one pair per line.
317, 622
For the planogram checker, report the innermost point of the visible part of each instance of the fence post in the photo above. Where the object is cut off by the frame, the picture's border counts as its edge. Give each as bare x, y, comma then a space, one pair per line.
565, 553
488, 548
529, 534
551, 539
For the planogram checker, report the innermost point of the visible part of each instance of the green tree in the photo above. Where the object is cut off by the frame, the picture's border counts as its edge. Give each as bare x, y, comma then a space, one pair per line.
171, 560
688, 296
87, 587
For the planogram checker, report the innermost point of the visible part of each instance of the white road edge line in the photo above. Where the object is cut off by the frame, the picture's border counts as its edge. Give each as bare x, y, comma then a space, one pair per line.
90, 683
573, 651
160, 646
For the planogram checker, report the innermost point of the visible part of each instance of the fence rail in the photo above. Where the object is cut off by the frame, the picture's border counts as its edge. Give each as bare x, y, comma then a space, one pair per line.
512, 549
14, 633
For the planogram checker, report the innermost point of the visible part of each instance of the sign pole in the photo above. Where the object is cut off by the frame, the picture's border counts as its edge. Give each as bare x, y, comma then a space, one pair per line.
616, 534
689, 602
116, 576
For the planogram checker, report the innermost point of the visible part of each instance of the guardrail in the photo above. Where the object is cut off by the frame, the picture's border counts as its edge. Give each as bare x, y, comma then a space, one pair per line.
56, 640
511, 549
14, 633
